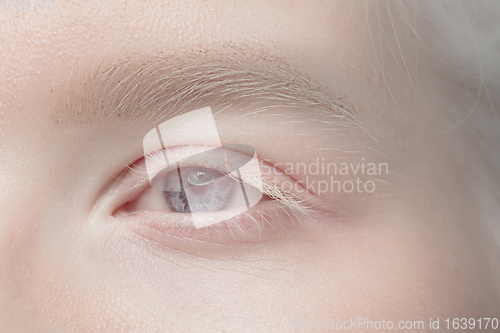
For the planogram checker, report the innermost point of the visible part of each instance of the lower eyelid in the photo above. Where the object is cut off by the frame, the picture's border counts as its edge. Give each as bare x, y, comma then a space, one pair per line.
263, 222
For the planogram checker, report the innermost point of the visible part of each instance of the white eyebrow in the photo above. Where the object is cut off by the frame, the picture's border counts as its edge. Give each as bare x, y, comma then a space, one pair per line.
153, 87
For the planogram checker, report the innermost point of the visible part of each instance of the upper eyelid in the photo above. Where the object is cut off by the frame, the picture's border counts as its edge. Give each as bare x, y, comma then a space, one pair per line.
200, 156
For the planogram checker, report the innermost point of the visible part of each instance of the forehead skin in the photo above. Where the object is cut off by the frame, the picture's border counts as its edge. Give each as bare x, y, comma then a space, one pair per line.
404, 260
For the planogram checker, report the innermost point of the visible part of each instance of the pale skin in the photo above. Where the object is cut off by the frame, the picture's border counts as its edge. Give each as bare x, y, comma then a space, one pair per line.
410, 251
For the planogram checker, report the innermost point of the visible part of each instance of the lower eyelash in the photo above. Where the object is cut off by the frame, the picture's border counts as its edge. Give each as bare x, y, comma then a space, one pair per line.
261, 222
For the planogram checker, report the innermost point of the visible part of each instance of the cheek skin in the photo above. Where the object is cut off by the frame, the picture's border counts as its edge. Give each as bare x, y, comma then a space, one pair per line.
373, 272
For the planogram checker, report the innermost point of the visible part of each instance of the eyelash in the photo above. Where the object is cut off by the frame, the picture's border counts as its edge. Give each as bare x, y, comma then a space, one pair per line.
264, 218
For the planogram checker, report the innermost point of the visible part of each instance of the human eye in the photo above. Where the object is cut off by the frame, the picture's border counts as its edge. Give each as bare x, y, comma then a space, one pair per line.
203, 199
